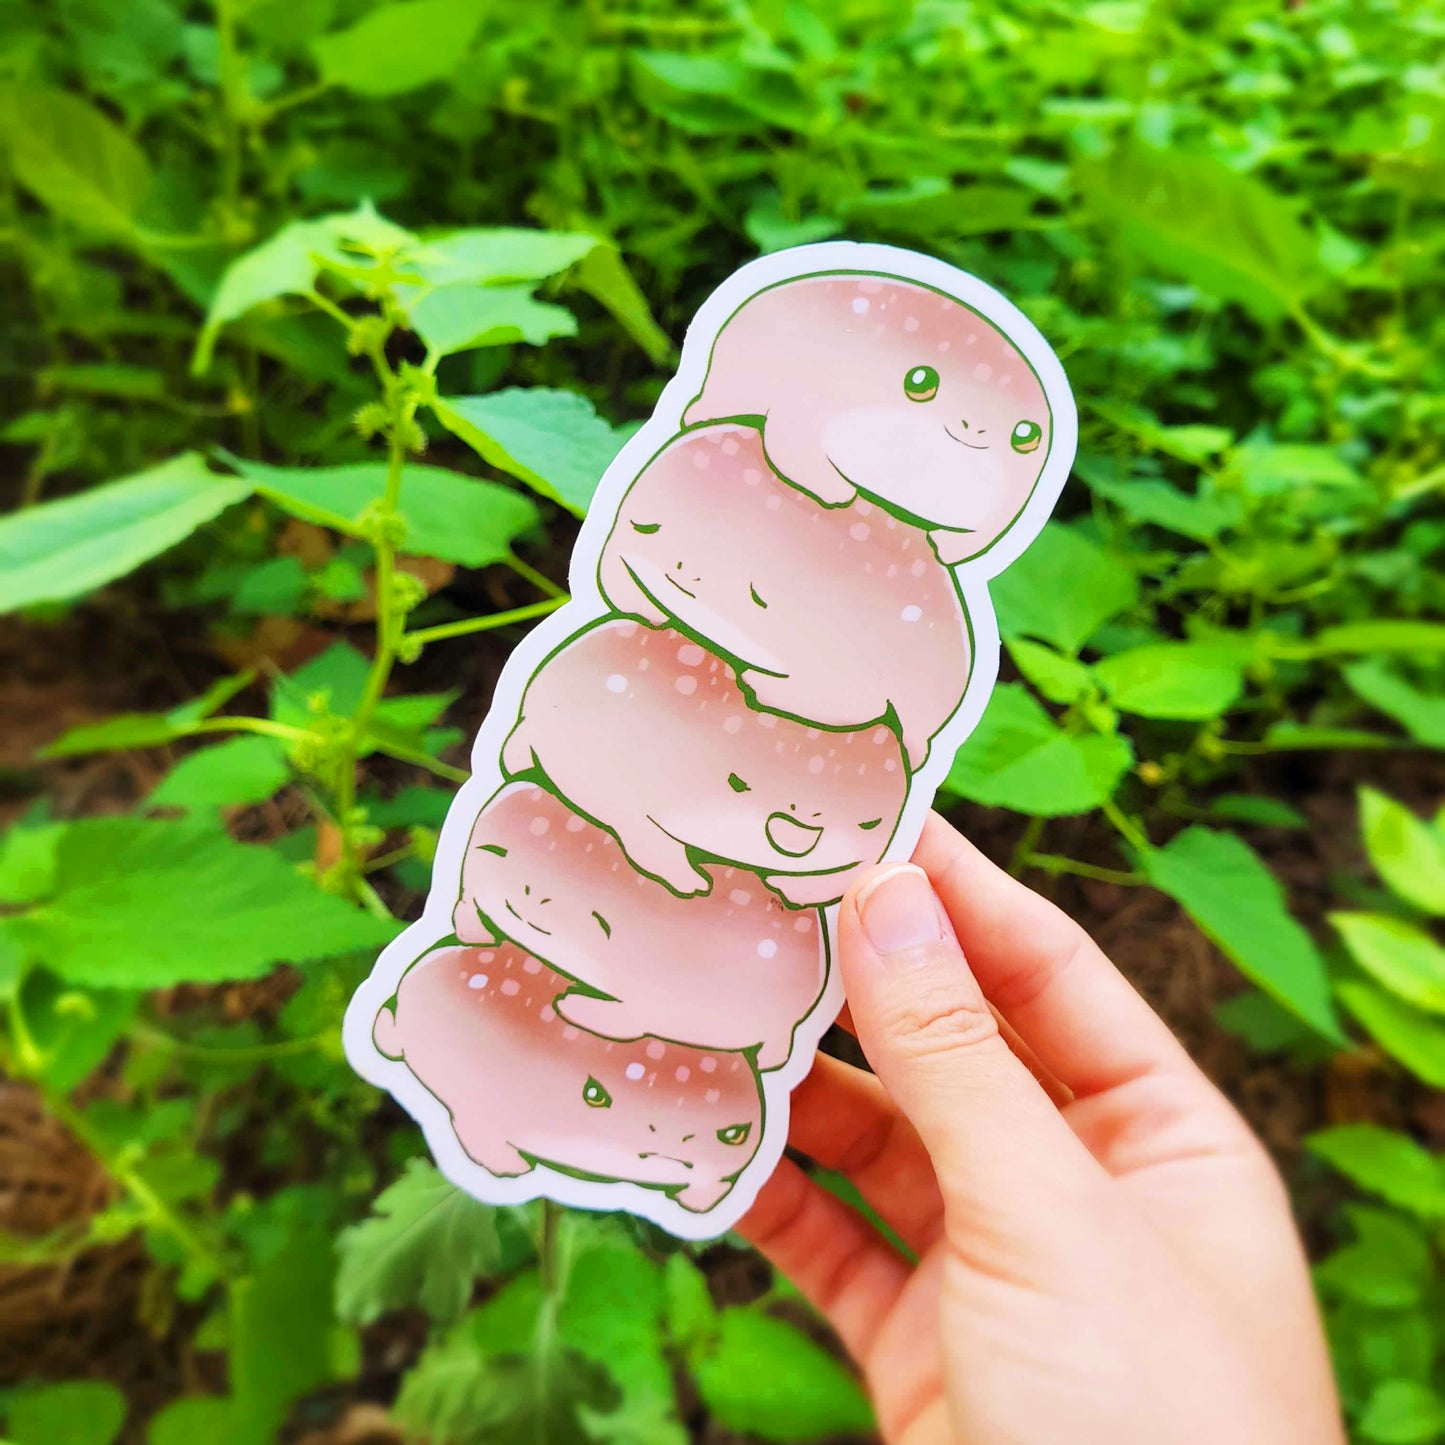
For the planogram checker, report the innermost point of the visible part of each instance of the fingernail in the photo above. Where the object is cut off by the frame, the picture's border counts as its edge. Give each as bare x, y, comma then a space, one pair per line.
899, 910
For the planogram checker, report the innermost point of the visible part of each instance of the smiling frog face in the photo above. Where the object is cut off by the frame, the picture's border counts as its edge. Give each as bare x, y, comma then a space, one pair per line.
883, 386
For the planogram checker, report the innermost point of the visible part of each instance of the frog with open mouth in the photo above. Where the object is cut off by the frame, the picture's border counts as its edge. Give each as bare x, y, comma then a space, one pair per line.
645, 732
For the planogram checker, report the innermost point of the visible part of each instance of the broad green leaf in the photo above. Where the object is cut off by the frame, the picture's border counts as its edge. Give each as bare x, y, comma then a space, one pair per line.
1407, 853
1183, 680
1403, 1412
552, 440
762, 1377
1266, 1026
1271, 468
1409, 1036
124, 730
277, 587
239, 771
425, 1244
1381, 1161
1193, 216
1403, 634
336, 677
73, 1030
1398, 954
1252, 808
74, 158
78, 1412
190, 1418
399, 47
769, 229
1201, 517
494, 256
1017, 757
927, 207
27, 861
1387, 1266
603, 274
1420, 714
142, 903
458, 518
688, 1310
1059, 678
463, 317
1225, 887
714, 94
69, 547
611, 1314
1062, 590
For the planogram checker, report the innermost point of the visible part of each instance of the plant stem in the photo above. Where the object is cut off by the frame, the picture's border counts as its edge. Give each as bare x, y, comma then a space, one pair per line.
547, 1248
1133, 834
542, 583
233, 100
1023, 851
486, 623
1056, 863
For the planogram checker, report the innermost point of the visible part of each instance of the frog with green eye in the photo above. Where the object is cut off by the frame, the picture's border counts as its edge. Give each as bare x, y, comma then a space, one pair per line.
885, 388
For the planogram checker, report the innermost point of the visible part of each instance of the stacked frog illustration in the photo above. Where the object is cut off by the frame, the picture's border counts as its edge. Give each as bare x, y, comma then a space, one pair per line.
780, 633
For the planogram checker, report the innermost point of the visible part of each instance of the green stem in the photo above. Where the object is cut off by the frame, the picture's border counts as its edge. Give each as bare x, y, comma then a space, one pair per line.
241, 1054
1023, 852
233, 101
1056, 863
543, 584
264, 726
1131, 831
486, 623
547, 1247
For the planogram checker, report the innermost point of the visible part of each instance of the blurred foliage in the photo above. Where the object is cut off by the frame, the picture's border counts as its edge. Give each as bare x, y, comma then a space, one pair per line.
258, 257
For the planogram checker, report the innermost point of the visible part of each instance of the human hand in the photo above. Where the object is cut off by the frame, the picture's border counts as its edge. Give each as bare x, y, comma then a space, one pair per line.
1105, 1251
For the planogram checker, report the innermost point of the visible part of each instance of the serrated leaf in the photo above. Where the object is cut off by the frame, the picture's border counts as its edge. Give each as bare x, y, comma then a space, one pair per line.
1420, 714
763, 1378
1059, 678
1381, 1161
399, 47
603, 274
1062, 590
464, 317
1407, 853
1387, 1266
1225, 887
239, 771
1409, 1036
77, 1412
494, 256
1403, 1412
69, 547
140, 903
457, 518
1017, 757
425, 1244
1399, 955
1178, 680
552, 440
74, 158
1196, 218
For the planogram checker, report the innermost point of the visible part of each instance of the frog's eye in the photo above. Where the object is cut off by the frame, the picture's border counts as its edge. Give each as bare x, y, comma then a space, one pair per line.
921, 384
646, 528
869, 825
1026, 436
595, 1095
737, 784
735, 1133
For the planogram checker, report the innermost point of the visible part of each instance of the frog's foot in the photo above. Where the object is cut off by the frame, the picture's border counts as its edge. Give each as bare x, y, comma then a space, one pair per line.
793, 452
385, 1034
773, 1053
622, 591
472, 927
776, 693
495, 1155
703, 1194
951, 548
517, 754
809, 890
915, 749
608, 1017
657, 853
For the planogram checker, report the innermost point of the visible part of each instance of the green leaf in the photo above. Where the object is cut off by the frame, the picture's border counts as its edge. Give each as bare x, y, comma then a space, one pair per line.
74, 158
1195, 217
552, 440
399, 47
78, 1412
1269, 469
1403, 1412
141, 903
1381, 1161
1202, 517
125, 730
1059, 678
338, 675
238, 771
1264, 1025
196, 1417
1032, 600
425, 1244
763, 1378
448, 515
1183, 680
1017, 757
277, 587
1396, 634
1413, 1038
464, 317
1421, 715
611, 1314
1398, 954
1225, 887
1408, 854
1387, 1266
1261, 811
65, 548
603, 274
74, 1030
494, 256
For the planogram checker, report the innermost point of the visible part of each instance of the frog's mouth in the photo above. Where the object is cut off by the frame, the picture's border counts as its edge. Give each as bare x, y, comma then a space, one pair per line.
791, 837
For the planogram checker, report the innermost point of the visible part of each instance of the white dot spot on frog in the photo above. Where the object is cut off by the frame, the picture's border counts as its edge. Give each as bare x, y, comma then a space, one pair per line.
699, 459
859, 531
732, 724
983, 371
860, 305
686, 685
643, 663
889, 764
538, 826
690, 654
570, 1032
773, 502
944, 345
683, 1074
547, 1013
803, 924
767, 948
815, 764
532, 965
707, 1063
617, 683
511, 987
627, 629
730, 446
919, 567
1006, 379
634, 1071
741, 897
752, 476
655, 1048
910, 323
911, 613
486, 955
575, 824
477, 980
881, 735
711, 1097
971, 338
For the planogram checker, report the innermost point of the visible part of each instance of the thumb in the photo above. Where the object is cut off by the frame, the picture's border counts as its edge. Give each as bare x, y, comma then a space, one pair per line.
1001, 1151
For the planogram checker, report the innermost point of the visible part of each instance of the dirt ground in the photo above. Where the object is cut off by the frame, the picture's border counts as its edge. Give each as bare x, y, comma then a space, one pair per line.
116, 655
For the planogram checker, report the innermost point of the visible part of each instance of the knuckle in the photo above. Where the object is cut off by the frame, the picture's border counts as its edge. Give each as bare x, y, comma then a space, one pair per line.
940, 1021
